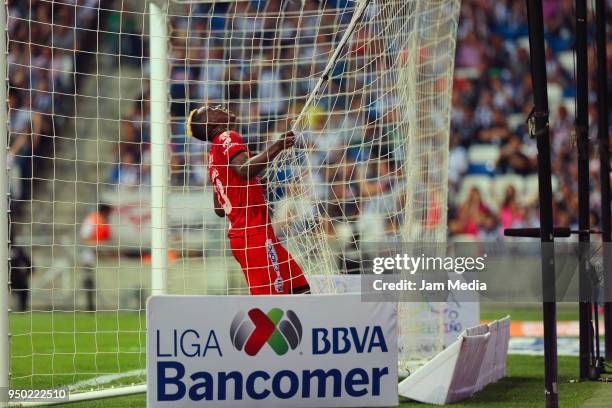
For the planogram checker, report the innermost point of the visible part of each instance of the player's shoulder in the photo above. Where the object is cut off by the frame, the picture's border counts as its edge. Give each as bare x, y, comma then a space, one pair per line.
227, 144
234, 136
228, 136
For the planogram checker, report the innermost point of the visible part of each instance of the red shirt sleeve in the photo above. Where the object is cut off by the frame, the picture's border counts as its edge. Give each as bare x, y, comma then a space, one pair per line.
230, 145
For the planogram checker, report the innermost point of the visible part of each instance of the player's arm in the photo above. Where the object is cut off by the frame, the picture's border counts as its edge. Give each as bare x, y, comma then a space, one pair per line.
247, 168
217, 206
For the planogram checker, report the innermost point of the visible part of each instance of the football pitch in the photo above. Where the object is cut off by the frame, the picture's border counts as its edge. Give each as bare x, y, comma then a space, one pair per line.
52, 349
86, 350
523, 388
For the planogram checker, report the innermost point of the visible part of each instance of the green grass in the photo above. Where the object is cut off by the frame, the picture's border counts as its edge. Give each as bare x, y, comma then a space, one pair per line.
523, 388
60, 348
526, 312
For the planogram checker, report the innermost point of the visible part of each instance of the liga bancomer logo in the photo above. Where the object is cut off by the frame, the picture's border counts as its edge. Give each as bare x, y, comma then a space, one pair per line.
176, 380
252, 330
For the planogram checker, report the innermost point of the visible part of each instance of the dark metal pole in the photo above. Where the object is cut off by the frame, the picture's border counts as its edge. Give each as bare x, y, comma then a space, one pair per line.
604, 170
582, 140
538, 124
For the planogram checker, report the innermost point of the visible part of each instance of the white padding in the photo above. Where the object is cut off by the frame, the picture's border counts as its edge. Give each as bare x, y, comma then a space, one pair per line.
431, 382
477, 358
467, 370
487, 371
501, 347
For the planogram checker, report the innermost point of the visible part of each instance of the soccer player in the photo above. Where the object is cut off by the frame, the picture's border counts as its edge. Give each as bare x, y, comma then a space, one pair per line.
239, 196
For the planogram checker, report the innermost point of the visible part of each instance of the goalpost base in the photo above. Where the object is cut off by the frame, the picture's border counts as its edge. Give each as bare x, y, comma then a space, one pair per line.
91, 395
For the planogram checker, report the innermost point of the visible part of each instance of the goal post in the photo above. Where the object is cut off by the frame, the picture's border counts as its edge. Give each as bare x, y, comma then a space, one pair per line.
4, 217
367, 89
365, 84
158, 66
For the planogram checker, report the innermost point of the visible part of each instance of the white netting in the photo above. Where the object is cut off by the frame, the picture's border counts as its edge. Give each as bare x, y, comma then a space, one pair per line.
369, 166
77, 315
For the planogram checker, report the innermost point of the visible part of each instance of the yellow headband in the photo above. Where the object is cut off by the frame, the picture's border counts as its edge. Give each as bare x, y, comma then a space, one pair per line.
189, 129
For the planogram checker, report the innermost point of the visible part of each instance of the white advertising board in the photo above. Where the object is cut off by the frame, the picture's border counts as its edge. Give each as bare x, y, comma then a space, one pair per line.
271, 351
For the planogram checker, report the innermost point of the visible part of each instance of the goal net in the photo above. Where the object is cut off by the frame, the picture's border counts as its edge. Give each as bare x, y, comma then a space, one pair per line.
365, 85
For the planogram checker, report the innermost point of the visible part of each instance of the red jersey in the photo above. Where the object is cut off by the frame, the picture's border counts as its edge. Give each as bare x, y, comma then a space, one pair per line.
242, 200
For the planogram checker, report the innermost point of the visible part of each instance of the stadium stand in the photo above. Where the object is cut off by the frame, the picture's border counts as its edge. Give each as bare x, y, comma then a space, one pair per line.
490, 149
491, 98
47, 56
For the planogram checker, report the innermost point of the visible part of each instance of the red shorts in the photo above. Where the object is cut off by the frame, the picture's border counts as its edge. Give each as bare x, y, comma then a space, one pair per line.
268, 268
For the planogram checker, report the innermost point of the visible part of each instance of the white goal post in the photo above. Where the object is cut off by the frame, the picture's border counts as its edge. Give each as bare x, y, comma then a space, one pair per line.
158, 39
4, 225
380, 73
365, 84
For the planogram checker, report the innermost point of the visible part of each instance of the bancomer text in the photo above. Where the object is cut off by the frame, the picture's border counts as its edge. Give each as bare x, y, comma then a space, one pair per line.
175, 383
284, 384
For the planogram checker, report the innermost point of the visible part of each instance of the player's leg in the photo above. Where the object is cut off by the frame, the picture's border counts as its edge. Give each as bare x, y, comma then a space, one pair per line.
251, 254
292, 275
268, 268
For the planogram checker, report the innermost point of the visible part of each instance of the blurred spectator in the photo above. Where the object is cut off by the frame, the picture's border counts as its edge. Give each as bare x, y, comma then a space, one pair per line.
95, 228
496, 132
127, 172
457, 163
213, 74
470, 52
271, 96
490, 229
561, 131
21, 273
123, 35
511, 214
95, 232
512, 159
470, 216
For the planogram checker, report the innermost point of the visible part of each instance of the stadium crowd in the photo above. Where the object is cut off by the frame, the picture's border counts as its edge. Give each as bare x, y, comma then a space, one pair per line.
493, 86
492, 161
47, 44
